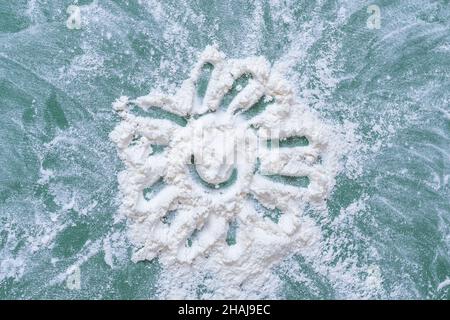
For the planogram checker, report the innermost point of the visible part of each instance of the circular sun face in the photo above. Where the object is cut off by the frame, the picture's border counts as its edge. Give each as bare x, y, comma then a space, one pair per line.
218, 174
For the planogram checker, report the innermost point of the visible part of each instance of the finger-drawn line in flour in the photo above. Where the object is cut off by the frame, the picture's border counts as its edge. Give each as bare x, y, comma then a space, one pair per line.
240, 158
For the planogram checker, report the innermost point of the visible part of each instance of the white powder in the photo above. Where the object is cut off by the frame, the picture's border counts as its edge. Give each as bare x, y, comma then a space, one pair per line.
223, 143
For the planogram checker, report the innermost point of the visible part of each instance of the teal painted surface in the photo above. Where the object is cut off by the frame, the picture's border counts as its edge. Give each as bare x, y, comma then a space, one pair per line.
58, 170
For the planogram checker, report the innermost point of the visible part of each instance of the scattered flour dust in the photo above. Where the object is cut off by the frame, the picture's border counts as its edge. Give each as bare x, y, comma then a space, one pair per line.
214, 172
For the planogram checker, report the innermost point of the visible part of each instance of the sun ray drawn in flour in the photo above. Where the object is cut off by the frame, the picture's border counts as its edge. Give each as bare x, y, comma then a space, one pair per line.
233, 139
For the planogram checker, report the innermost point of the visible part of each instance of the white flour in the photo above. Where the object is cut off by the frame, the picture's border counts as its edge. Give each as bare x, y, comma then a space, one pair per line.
185, 222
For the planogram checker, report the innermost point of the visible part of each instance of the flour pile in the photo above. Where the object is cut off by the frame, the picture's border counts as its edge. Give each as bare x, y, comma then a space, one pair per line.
213, 185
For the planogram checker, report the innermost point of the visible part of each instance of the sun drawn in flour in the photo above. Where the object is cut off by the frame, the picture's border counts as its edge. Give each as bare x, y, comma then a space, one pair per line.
219, 174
